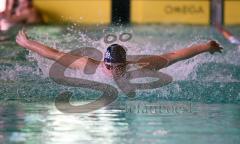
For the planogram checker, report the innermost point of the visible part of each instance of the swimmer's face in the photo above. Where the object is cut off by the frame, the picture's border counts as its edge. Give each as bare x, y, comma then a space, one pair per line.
116, 69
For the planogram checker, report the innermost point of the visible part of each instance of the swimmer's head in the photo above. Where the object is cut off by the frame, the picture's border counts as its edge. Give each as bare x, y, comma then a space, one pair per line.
115, 59
115, 54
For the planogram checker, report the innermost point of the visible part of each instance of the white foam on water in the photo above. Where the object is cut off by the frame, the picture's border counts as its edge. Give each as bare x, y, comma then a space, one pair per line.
17, 137
12, 74
160, 132
34, 118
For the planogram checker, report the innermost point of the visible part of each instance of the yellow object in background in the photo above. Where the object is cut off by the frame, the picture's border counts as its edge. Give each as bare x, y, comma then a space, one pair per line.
232, 12
170, 11
82, 11
142, 11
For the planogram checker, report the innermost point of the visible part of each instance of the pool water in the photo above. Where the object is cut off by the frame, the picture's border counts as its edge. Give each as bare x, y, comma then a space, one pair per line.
200, 105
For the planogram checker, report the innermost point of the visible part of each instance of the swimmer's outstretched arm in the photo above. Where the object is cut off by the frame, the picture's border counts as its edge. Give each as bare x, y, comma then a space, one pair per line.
185, 53
50, 53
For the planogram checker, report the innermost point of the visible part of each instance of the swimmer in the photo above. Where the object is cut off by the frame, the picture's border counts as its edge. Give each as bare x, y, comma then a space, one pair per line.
17, 12
115, 57
9, 6
227, 35
20, 11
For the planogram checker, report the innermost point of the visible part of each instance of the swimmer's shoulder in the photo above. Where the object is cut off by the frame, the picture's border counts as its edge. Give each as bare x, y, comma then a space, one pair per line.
152, 61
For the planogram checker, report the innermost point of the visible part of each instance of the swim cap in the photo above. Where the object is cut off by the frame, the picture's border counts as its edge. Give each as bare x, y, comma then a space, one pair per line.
115, 54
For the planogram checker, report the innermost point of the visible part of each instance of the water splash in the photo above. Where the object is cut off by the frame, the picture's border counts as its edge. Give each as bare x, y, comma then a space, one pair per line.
145, 41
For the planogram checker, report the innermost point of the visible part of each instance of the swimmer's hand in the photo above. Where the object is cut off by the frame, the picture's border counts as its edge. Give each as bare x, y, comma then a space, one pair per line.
22, 39
214, 47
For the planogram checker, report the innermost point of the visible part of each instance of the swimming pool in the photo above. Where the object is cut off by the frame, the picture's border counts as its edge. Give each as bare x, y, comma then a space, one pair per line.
200, 105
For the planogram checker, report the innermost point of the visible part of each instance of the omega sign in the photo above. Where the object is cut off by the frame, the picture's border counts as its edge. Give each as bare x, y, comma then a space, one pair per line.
183, 9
